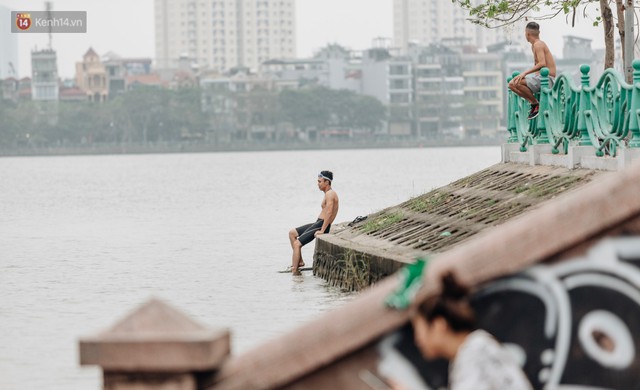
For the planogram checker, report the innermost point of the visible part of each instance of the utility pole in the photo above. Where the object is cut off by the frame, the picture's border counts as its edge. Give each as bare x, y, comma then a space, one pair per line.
629, 15
48, 8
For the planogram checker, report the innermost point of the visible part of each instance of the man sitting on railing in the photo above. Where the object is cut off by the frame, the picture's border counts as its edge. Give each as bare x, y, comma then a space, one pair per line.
527, 83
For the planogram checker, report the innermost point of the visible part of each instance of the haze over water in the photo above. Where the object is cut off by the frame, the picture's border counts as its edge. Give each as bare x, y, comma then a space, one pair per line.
85, 239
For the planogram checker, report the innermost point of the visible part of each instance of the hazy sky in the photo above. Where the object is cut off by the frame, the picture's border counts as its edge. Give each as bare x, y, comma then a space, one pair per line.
126, 27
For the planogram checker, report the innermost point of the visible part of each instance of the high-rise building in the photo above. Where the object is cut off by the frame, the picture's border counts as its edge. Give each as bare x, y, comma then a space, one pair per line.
223, 34
8, 46
390, 80
45, 85
44, 70
424, 22
483, 90
439, 91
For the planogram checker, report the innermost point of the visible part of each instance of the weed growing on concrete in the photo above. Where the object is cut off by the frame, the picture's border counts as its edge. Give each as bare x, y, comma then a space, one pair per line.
548, 187
521, 188
428, 202
382, 221
356, 270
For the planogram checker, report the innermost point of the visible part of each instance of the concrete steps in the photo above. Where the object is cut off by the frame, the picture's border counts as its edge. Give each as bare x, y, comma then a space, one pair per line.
357, 256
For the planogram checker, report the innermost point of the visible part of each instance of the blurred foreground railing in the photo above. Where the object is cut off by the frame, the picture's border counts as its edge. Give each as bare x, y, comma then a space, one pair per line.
605, 116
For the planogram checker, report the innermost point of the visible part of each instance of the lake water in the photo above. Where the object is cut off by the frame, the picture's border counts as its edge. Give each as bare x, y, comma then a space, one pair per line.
86, 239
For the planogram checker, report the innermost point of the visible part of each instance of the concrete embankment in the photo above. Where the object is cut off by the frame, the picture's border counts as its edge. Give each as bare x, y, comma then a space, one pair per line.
353, 257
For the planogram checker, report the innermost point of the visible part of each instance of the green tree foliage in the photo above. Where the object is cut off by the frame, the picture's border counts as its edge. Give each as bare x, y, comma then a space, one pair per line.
148, 115
498, 13
262, 107
305, 108
18, 124
321, 107
368, 112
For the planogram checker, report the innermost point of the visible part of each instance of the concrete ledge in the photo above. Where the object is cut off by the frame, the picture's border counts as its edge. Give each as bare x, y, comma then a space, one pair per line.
356, 264
535, 151
519, 157
576, 157
576, 153
605, 163
507, 149
626, 156
556, 160
353, 257
531, 157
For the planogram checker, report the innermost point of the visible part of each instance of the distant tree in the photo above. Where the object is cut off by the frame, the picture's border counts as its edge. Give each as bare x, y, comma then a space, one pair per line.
7, 130
18, 123
181, 111
148, 114
218, 105
305, 108
80, 122
263, 107
151, 114
322, 107
368, 112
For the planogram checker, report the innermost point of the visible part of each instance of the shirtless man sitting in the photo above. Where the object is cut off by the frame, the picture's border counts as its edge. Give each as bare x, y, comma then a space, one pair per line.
527, 83
303, 235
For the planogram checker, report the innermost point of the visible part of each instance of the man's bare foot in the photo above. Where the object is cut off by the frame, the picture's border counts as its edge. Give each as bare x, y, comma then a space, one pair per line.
296, 272
301, 264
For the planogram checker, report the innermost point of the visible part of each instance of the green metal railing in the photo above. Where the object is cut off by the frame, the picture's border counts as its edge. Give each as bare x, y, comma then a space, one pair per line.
605, 116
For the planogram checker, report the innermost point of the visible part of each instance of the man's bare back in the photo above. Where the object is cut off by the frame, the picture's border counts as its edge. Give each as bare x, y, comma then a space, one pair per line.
542, 57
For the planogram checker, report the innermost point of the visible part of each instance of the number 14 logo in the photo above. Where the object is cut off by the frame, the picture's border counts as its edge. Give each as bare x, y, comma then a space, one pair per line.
23, 21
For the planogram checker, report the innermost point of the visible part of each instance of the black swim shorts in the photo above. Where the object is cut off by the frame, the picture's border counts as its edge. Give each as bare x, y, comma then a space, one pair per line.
306, 232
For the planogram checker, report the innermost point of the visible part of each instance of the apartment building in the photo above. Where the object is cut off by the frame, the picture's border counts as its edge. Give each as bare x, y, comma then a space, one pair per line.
483, 90
296, 73
425, 22
439, 91
332, 66
223, 34
390, 79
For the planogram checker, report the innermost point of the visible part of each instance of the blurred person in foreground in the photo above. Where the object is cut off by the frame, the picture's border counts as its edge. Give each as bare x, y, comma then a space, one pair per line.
444, 327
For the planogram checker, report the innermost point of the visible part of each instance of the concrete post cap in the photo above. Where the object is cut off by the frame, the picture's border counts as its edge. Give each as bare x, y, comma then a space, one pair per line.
156, 337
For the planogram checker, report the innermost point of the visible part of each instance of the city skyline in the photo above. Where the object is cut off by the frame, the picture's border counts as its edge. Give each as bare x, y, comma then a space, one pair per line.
127, 29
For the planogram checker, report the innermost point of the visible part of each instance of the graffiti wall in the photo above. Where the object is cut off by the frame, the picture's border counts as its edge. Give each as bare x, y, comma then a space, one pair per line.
573, 325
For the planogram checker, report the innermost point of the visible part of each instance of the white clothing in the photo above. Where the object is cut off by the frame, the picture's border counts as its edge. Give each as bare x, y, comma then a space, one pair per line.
481, 363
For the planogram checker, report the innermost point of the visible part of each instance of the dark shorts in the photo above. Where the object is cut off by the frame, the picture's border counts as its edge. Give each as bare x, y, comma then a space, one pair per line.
306, 232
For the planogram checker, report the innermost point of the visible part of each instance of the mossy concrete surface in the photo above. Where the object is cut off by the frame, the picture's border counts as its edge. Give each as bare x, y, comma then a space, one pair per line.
354, 257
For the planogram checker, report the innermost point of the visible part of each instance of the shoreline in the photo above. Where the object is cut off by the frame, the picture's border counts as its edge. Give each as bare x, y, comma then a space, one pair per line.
234, 147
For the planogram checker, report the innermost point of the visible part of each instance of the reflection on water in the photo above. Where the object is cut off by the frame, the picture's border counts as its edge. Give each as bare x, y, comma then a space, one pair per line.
85, 239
